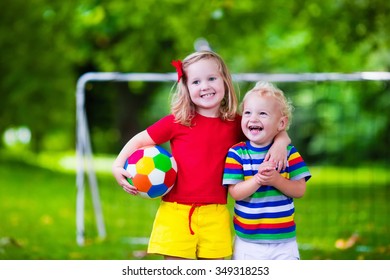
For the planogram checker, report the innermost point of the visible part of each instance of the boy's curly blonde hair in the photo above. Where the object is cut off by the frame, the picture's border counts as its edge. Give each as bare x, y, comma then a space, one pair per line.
181, 105
267, 89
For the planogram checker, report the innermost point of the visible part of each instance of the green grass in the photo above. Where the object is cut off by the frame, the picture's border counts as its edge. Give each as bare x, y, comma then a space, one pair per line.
344, 203
38, 210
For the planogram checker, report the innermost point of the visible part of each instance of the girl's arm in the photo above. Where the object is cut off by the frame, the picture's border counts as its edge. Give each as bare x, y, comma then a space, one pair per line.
278, 151
140, 140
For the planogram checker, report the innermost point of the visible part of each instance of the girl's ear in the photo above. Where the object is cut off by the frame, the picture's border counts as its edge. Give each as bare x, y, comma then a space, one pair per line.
283, 123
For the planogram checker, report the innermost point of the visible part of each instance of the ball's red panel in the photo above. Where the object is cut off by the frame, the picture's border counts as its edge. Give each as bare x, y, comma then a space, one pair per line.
170, 177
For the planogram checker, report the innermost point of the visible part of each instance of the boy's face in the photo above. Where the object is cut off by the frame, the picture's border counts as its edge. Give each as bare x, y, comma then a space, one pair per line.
262, 119
206, 87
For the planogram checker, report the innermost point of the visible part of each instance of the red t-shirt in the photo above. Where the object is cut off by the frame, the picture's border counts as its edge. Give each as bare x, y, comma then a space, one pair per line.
200, 152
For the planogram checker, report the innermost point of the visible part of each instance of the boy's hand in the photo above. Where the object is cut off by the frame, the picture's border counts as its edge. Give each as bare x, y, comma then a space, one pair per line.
264, 168
268, 177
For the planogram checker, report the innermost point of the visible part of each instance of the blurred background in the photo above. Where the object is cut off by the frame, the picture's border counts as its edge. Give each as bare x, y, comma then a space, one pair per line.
341, 128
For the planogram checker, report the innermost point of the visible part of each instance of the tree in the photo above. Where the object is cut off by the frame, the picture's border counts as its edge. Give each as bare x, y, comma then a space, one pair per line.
47, 45
37, 78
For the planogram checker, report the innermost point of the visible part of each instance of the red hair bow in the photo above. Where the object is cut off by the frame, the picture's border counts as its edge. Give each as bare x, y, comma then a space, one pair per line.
179, 68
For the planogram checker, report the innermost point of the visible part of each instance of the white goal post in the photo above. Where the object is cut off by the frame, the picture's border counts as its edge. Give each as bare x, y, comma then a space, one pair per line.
84, 155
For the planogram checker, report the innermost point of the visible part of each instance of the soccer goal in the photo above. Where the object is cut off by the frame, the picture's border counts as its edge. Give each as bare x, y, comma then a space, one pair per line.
84, 155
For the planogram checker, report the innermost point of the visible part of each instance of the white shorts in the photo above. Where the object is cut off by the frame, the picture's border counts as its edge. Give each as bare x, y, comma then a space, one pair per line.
270, 251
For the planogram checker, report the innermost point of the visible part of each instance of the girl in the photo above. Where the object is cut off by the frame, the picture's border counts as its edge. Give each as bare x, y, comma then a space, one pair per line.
193, 221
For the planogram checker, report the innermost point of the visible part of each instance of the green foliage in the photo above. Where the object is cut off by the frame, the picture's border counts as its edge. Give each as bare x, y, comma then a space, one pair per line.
47, 45
36, 74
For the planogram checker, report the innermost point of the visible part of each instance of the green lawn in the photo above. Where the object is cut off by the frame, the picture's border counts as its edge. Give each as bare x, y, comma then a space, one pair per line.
344, 204
38, 211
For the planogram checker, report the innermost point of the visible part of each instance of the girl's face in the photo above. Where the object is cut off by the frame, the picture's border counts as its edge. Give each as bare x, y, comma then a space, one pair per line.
261, 119
206, 87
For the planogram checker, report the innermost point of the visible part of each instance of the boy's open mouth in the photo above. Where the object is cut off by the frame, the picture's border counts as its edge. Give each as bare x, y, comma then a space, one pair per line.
255, 128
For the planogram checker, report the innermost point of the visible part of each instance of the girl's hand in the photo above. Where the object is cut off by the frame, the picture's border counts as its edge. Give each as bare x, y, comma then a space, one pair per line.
278, 150
266, 166
121, 176
278, 154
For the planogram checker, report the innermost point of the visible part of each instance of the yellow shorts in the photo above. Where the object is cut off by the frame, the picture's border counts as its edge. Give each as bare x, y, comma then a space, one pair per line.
191, 232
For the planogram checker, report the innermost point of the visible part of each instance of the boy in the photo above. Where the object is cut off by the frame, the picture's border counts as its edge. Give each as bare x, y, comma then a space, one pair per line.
264, 208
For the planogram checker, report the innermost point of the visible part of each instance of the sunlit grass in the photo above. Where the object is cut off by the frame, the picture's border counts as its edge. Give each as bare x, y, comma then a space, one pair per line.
356, 177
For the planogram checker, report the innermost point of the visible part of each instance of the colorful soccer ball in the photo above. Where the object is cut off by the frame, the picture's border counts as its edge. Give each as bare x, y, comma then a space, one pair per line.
153, 171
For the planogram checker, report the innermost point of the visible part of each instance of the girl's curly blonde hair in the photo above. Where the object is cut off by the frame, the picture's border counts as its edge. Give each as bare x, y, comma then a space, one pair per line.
182, 106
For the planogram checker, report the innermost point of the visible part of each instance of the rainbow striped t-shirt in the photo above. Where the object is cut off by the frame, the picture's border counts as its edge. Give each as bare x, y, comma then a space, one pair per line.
267, 216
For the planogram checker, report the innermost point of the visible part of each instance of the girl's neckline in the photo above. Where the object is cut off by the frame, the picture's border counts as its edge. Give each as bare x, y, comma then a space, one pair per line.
207, 117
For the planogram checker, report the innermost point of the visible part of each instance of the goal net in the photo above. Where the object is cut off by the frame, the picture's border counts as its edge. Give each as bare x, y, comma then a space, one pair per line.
327, 116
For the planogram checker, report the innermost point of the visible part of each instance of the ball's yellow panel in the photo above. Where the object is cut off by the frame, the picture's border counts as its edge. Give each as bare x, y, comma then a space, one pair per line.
144, 166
